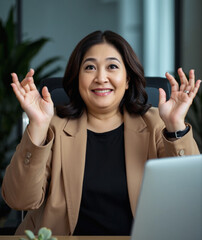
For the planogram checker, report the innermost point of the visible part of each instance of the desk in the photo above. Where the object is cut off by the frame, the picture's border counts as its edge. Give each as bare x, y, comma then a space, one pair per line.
74, 237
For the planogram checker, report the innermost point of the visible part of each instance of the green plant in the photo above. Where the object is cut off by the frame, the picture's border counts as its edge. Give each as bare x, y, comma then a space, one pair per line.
43, 234
15, 57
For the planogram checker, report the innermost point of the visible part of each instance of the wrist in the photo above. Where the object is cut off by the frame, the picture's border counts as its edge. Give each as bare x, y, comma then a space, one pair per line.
176, 134
175, 127
38, 133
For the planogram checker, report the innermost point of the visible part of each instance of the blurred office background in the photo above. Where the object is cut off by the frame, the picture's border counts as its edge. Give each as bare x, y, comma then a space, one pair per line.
165, 34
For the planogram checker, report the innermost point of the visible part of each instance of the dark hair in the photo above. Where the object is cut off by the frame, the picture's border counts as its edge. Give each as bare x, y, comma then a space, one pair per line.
135, 97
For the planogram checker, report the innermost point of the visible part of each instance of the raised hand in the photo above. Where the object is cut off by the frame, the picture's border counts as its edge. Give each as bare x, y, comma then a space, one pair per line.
173, 111
39, 109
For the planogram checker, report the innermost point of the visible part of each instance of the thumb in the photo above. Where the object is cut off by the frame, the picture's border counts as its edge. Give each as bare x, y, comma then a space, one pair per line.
46, 94
162, 96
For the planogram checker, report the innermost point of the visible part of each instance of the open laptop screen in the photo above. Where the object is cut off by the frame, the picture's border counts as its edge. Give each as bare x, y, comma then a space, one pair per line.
170, 202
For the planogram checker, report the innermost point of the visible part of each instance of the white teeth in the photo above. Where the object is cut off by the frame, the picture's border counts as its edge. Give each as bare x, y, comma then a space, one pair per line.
103, 91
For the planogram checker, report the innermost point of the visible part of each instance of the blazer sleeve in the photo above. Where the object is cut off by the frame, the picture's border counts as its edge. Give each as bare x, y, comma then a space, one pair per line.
180, 147
26, 178
160, 146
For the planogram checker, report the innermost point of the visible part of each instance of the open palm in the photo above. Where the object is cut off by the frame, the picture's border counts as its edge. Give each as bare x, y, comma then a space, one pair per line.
39, 109
173, 111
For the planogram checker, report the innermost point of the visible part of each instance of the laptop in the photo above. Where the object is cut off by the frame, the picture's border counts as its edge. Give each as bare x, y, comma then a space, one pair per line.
170, 202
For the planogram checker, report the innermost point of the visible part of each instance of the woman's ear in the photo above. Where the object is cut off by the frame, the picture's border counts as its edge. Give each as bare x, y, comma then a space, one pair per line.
127, 82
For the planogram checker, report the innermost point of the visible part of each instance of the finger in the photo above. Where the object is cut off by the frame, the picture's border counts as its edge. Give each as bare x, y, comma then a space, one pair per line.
162, 96
31, 79
25, 84
182, 76
46, 94
30, 73
189, 85
173, 82
194, 91
17, 92
28, 84
191, 78
17, 83
32, 84
27, 80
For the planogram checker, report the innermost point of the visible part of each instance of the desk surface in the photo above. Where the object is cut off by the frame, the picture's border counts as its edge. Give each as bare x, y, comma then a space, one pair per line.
74, 237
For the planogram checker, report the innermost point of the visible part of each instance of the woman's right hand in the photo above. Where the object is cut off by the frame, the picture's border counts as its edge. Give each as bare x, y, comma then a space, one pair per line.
39, 109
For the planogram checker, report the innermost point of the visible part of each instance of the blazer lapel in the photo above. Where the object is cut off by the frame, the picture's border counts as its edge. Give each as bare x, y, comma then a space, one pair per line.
73, 161
136, 150
73, 143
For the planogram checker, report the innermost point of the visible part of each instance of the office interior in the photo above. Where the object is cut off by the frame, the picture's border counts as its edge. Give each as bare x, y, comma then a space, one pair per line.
165, 34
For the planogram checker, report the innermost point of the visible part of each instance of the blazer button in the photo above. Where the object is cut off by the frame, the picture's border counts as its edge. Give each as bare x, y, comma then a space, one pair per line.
28, 155
26, 161
181, 152
27, 158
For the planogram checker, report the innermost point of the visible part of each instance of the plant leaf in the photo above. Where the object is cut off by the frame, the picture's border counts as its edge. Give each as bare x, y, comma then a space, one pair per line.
45, 232
30, 234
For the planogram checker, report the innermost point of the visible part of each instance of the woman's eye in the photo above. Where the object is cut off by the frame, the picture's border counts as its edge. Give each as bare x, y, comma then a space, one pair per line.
89, 67
113, 66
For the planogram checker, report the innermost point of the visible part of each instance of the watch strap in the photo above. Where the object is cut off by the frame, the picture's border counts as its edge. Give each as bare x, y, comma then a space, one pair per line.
177, 134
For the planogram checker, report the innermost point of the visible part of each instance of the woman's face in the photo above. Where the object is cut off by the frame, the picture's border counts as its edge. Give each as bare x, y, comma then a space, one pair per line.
102, 78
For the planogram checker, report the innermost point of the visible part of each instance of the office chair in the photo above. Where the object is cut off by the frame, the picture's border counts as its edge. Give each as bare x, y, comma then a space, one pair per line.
59, 96
152, 86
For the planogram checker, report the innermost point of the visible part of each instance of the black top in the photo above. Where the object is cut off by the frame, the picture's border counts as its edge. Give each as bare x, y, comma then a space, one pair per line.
105, 208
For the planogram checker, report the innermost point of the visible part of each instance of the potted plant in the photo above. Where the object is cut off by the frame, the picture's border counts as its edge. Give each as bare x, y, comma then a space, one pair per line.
43, 234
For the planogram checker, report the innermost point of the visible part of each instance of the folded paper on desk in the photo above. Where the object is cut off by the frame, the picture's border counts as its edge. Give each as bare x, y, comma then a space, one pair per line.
170, 202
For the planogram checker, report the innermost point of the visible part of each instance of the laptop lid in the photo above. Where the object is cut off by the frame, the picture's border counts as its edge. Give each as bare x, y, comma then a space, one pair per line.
170, 202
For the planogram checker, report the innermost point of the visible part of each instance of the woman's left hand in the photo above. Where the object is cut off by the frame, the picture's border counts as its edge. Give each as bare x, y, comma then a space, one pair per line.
173, 111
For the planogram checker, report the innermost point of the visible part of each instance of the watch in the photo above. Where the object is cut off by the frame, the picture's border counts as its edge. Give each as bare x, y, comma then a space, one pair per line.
177, 134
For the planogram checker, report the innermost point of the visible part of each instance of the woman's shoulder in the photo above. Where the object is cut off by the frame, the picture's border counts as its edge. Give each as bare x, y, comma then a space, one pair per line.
149, 120
152, 118
70, 125
58, 122
152, 112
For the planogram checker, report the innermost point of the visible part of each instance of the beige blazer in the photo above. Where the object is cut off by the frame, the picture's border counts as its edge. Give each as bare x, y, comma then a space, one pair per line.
47, 180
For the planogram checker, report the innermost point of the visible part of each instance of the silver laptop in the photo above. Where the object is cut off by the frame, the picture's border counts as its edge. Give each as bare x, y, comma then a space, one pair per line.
170, 202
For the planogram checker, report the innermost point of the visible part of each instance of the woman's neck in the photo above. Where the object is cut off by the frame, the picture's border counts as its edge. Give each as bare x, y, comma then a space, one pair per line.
104, 122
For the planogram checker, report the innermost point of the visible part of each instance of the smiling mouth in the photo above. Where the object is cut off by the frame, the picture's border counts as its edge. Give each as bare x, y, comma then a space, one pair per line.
102, 92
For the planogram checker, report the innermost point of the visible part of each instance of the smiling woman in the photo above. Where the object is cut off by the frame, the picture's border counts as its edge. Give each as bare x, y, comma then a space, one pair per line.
102, 80
134, 99
84, 162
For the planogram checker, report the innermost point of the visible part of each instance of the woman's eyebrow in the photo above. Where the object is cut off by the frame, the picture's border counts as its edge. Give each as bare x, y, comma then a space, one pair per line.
108, 59
89, 59
113, 58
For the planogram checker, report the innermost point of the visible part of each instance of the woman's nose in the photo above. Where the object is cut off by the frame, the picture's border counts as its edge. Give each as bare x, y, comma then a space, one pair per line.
101, 76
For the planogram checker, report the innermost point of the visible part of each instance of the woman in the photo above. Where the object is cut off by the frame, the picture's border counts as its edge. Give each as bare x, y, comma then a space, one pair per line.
79, 171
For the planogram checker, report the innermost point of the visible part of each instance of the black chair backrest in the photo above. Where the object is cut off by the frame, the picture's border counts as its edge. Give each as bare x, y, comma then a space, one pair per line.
59, 96
152, 88
56, 90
